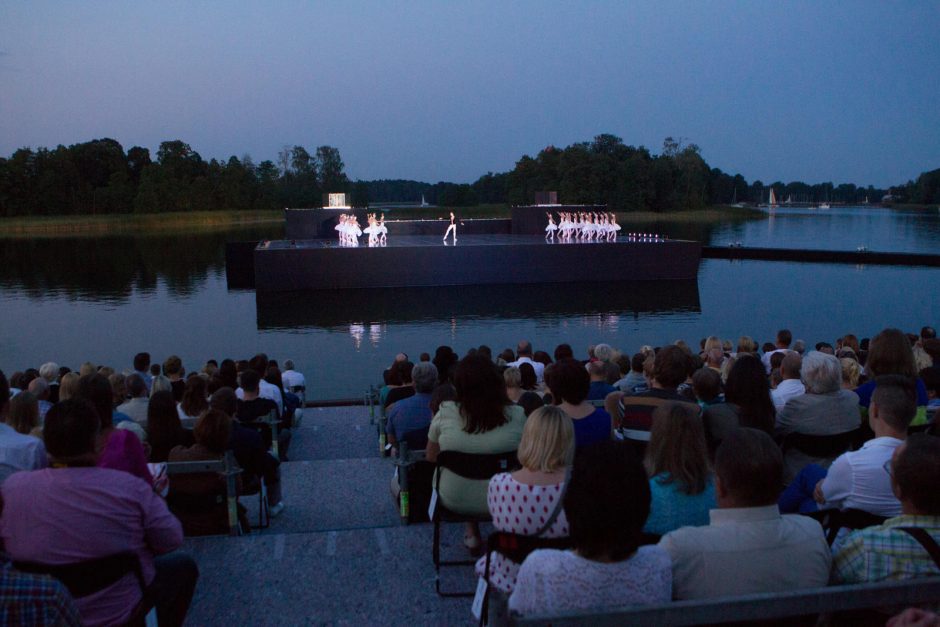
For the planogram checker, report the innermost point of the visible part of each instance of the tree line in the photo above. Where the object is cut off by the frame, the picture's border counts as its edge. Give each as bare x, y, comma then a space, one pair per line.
100, 177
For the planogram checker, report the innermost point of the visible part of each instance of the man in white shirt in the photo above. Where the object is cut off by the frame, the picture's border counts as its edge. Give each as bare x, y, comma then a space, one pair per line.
17, 451
748, 547
290, 377
136, 407
858, 479
791, 385
524, 356
784, 338
259, 363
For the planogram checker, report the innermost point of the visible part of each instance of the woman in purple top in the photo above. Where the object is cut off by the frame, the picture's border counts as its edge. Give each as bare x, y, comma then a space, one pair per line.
569, 383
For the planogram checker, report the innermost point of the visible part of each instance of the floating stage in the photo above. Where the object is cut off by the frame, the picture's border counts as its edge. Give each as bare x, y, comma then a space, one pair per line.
425, 261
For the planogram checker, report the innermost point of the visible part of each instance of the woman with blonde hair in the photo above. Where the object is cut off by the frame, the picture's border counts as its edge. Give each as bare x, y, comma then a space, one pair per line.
545, 452
526, 399
851, 372
713, 353
68, 385
677, 463
24, 414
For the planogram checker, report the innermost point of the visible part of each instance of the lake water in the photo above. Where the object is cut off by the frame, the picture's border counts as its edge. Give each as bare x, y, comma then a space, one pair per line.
103, 299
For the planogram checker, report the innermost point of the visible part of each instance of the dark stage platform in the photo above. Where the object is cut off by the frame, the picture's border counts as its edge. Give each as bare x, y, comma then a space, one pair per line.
417, 261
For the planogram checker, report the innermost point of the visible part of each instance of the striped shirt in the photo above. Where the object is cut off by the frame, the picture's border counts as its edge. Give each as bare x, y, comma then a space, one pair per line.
886, 553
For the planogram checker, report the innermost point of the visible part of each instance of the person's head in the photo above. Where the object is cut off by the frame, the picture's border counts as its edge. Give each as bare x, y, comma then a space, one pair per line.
528, 377
486, 351
142, 362
713, 351
850, 341
776, 360
86, 369
95, 389
890, 353
163, 421
250, 381
524, 348
670, 367
160, 383
68, 385
225, 400
569, 382
746, 344
927, 333
506, 356
607, 502
893, 402
405, 369
821, 373
195, 396
784, 338
425, 357
597, 370
547, 440
135, 386
40, 388
173, 367
915, 475
748, 469
931, 379
604, 352
154, 370
512, 377
636, 362
791, 365
424, 374
564, 351
706, 383
747, 387
799, 346
49, 371
825, 347
118, 388
228, 373
851, 371
70, 431
443, 392
481, 394
259, 363
677, 447
23, 415
288, 364
542, 357
213, 430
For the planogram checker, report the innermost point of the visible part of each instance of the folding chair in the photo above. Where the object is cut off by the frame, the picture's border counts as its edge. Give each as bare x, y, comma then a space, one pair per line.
468, 466
414, 476
834, 520
823, 446
228, 468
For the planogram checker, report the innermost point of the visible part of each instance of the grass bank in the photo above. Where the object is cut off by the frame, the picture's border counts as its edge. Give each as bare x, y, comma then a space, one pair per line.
50, 226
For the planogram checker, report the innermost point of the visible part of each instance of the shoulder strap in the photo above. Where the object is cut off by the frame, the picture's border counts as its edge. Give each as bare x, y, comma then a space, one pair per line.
930, 545
558, 506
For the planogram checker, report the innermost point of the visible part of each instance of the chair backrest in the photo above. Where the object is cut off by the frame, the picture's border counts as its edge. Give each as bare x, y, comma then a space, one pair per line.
477, 465
517, 547
822, 446
89, 576
227, 467
832, 520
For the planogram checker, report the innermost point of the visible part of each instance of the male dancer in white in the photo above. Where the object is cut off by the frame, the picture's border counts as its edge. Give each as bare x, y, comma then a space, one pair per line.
452, 228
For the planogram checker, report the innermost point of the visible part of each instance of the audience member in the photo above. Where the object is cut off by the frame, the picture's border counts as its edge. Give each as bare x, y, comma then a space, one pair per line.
39, 388
75, 511
528, 400
136, 406
634, 378
444, 360
747, 403
50, 372
259, 363
890, 353
681, 484
851, 373
173, 370
606, 505
570, 383
749, 547
825, 409
791, 385
782, 345
292, 379
563, 351
545, 452
28, 599
599, 388
68, 385
706, 385
524, 356
164, 429
407, 388
746, 344
251, 410
482, 420
228, 374
142, 369
23, 414
195, 400
17, 451
713, 353
160, 384
905, 546
413, 414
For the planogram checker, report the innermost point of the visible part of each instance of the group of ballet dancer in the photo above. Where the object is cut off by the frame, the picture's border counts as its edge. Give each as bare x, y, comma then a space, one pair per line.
349, 231
582, 226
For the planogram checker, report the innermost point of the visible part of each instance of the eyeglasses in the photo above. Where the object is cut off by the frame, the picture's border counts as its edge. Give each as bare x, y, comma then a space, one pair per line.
888, 469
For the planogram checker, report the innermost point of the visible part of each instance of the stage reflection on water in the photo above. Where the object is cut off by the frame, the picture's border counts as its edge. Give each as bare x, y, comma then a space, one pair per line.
339, 308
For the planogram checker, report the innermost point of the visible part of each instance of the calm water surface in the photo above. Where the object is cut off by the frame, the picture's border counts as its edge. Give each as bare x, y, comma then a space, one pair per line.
103, 299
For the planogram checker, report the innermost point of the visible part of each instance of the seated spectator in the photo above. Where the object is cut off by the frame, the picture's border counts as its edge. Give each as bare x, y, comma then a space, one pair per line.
890, 353
291, 402
851, 373
747, 403
136, 406
791, 385
407, 388
173, 370
32, 599
252, 408
894, 550
706, 385
599, 388
76, 511
17, 451
445, 359
481, 421
606, 505
164, 429
161, 383
228, 374
825, 409
413, 414
713, 353
142, 368
527, 379
39, 388
291, 379
528, 400
545, 452
635, 411
784, 339
634, 379
524, 356
681, 484
259, 363
23, 414
50, 372
68, 385
443, 392
195, 400
748, 547
194, 498
931, 379
120, 449
857, 479
746, 344
570, 382
606, 354
562, 351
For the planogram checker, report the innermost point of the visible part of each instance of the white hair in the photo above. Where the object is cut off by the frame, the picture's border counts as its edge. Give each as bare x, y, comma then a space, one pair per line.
49, 371
821, 373
604, 352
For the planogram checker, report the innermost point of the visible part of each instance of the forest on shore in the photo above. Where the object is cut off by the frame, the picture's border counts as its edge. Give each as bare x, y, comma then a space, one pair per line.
100, 177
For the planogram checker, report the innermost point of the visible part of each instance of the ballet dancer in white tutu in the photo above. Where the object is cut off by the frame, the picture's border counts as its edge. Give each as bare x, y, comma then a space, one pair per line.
551, 227
452, 228
372, 230
382, 230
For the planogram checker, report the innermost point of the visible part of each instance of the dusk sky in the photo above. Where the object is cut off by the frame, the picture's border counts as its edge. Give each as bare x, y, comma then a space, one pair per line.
812, 91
